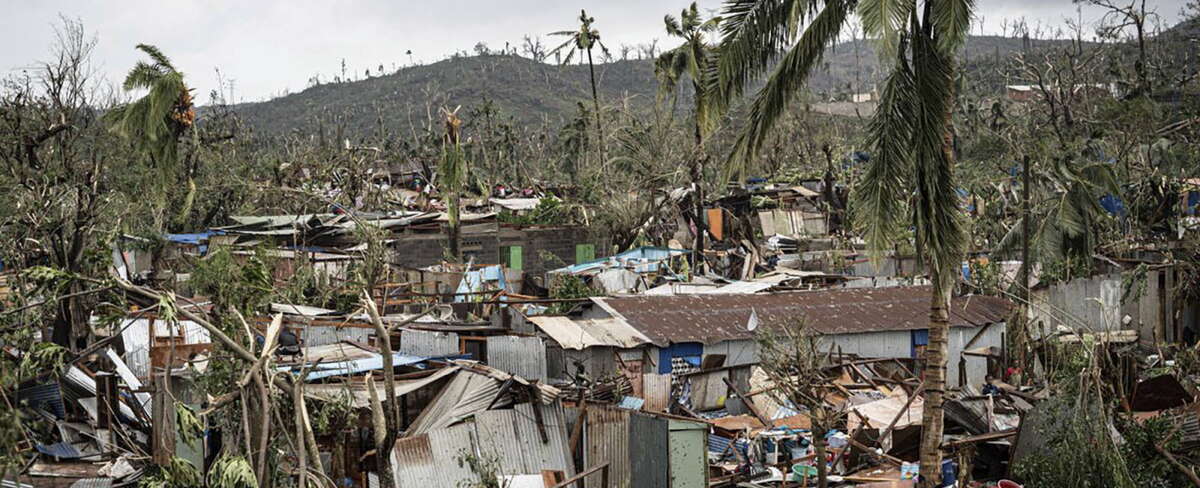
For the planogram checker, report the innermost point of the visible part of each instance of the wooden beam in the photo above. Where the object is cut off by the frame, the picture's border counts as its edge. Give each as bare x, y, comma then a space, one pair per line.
583, 474
749, 404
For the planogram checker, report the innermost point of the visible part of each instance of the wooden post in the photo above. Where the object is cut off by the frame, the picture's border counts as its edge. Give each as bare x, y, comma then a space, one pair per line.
107, 404
163, 422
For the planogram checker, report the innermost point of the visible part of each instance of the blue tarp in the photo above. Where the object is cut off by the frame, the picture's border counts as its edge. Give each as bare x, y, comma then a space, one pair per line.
1113, 205
193, 238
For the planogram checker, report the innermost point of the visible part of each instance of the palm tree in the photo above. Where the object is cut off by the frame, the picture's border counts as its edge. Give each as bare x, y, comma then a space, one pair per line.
155, 121
453, 176
910, 133
582, 41
693, 59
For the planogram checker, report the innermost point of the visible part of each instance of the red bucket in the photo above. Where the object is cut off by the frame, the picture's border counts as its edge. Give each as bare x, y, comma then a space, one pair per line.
1008, 484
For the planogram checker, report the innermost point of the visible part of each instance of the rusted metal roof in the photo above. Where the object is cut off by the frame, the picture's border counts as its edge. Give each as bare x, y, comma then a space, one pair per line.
710, 318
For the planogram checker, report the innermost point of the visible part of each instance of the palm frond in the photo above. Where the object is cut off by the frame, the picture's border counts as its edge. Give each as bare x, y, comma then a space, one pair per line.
938, 216
142, 76
952, 22
673, 27
788, 79
753, 33
885, 20
669, 67
882, 191
159, 58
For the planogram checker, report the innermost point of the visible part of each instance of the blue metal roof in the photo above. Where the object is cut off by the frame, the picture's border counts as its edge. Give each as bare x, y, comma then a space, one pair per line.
644, 259
61, 450
341, 368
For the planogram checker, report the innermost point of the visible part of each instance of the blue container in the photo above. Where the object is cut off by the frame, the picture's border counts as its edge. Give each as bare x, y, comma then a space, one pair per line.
949, 473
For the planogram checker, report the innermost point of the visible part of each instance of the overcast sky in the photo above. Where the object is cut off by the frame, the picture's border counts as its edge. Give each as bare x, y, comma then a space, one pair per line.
267, 47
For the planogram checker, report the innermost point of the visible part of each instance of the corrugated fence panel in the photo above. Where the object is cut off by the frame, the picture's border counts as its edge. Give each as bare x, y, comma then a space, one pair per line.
497, 436
607, 441
136, 336
428, 344
431, 460
319, 335
522, 356
553, 454
657, 390
649, 452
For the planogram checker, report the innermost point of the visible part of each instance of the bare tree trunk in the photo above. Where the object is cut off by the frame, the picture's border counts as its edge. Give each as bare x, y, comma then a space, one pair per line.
384, 443
935, 380
302, 453
264, 432
819, 460
379, 423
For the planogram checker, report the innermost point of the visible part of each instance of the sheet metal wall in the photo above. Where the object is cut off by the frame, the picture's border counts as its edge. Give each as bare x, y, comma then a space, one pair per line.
648, 448
688, 454
657, 391
320, 335
606, 440
597, 361
737, 352
976, 367
136, 336
427, 343
1073, 305
522, 356
510, 437
899, 344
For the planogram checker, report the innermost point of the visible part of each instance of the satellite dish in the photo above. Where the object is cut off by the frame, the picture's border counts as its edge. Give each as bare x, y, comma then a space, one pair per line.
752, 323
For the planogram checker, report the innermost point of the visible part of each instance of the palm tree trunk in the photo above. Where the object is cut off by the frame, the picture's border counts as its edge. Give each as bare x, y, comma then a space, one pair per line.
935, 380
932, 415
698, 207
453, 224
596, 103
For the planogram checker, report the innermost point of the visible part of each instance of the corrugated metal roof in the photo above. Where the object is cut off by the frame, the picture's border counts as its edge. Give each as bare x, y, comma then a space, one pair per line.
93, 483
345, 359
584, 333
60, 450
512, 437
509, 437
466, 394
522, 356
361, 396
710, 318
47, 396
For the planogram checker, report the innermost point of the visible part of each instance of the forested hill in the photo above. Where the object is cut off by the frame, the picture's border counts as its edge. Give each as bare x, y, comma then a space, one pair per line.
532, 92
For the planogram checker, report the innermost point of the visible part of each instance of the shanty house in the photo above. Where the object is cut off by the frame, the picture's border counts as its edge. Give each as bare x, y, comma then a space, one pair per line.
649, 335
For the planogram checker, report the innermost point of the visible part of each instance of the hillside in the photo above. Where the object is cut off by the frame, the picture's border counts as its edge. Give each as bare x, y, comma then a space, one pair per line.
536, 93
